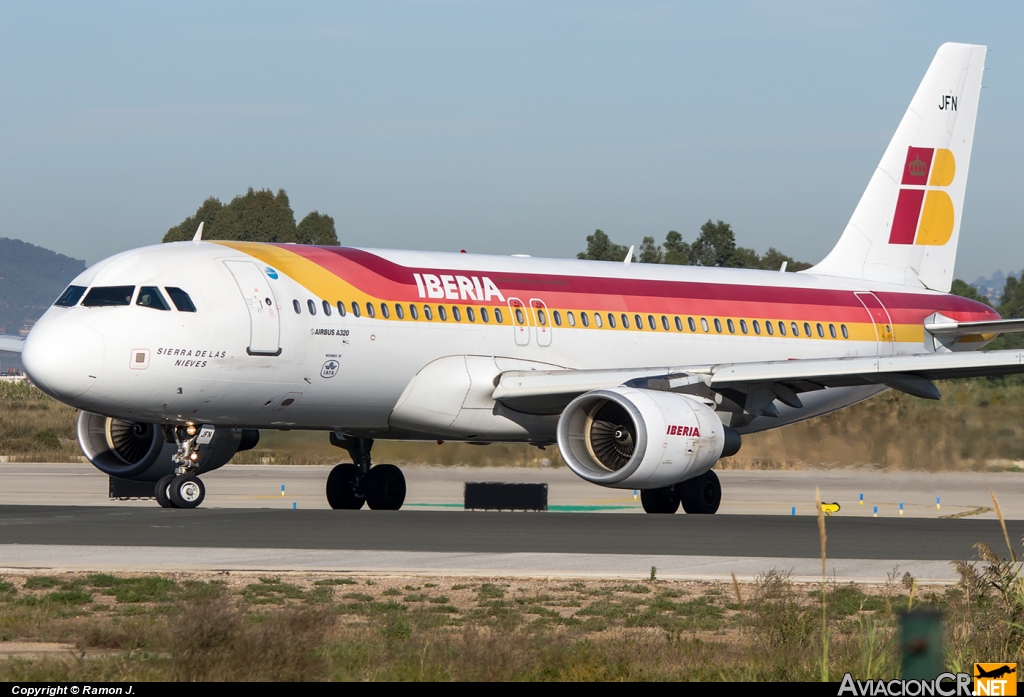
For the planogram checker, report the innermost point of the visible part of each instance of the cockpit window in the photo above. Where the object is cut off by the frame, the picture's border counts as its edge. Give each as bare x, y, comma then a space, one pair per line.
106, 296
180, 299
149, 296
70, 296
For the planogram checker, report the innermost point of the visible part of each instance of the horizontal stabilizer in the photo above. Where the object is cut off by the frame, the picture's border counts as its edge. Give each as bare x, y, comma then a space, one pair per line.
996, 326
13, 344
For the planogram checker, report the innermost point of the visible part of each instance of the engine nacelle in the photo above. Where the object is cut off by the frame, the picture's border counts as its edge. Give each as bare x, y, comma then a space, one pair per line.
135, 450
628, 438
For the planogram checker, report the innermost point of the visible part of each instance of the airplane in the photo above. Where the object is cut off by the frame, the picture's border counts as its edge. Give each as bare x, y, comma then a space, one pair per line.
644, 375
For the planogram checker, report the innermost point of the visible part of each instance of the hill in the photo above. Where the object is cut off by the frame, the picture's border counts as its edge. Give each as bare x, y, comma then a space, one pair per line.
31, 278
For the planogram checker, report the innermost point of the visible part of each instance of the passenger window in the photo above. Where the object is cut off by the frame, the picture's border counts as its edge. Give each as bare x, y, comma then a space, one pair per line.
704, 325
497, 316
768, 327
520, 317
456, 314
625, 320
597, 319
557, 316
586, 320
782, 328
718, 325
341, 308
638, 322
70, 296
427, 313
370, 311
355, 308
821, 330
483, 315
743, 326
149, 296
179, 298
297, 306
312, 307
109, 296
571, 318
732, 327
796, 329
442, 313
327, 308
542, 318
470, 314
691, 324
757, 327
611, 320
650, 322
413, 312
832, 330
807, 329
679, 324
399, 311
846, 334
664, 322
384, 311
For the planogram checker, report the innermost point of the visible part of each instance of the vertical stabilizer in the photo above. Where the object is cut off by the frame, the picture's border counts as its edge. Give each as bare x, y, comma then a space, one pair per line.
906, 227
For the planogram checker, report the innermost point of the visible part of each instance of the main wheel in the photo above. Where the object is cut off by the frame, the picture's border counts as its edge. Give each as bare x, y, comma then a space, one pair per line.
186, 491
160, 491
385, 488
341, 487
663, 500
701, 494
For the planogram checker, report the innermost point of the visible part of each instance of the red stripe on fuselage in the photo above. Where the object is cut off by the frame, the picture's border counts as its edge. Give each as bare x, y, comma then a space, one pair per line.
392, 282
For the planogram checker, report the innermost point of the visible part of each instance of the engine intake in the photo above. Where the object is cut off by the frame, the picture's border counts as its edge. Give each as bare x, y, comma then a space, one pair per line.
136, 450
628, 438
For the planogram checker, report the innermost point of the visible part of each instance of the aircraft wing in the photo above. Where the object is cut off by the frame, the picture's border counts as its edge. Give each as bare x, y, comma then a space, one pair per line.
11, 343
997, 326
755, 385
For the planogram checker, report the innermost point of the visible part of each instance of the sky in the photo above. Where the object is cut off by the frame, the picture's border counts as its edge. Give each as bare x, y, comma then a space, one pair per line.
496, 127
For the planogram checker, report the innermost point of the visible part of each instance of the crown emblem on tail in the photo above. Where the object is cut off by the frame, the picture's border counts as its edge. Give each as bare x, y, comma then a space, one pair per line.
917, 168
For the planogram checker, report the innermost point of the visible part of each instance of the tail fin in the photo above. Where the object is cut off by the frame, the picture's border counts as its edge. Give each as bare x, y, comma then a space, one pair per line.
906, 227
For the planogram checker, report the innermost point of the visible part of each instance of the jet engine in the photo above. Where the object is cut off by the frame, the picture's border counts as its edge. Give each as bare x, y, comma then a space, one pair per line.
139, 451
629, 438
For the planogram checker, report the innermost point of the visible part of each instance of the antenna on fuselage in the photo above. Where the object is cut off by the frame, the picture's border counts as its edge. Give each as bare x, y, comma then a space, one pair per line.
199, 233
784, 264
629, 256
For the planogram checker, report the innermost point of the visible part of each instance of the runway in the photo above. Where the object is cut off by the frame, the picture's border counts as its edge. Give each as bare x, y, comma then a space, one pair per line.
59, 517
460, 541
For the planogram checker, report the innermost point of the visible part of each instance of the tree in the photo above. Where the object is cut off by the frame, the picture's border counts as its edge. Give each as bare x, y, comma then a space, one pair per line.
964, 290
773, 258
207, 213
651, 253
601, 248
677, 251
715, 246
317, 228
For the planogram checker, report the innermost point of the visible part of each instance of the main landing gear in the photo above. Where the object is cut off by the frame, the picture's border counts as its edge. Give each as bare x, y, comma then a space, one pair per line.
701, 494
350, 484
184, 489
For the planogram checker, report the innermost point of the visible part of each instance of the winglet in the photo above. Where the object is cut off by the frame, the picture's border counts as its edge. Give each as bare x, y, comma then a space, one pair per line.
629, 256
199, 233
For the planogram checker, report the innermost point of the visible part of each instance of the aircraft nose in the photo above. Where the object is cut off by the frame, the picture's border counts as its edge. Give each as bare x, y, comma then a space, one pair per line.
63, 357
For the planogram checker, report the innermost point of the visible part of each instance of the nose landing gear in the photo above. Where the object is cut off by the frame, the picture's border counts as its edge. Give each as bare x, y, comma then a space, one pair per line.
351, 484
184, 489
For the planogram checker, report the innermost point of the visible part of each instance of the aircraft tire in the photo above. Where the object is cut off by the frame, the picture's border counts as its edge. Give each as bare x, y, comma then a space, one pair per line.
341, 483
385, 488
160, 491
186, 491
663, 500
701, 494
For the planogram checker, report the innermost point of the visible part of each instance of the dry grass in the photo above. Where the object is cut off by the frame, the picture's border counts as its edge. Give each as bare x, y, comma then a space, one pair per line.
302, 626
34, 427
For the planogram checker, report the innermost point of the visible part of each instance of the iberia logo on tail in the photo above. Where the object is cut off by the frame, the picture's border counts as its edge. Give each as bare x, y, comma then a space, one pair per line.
924, 211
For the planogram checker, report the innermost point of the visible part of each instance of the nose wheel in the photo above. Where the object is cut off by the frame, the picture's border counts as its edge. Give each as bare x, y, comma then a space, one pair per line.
351, 484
